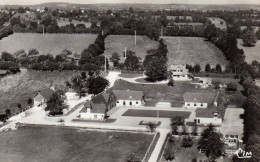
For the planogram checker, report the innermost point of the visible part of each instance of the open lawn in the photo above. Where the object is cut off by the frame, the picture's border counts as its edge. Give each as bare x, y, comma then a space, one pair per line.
117, 43
130, 75
154, 113
19, 87
57, 144
193, 50
251, 53
47, 43
161, 92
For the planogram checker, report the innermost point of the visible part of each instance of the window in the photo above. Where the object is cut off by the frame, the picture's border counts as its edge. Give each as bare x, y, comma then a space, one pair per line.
188, 104
201, 104
198, 120
130, 103
195, 104
117, 102
124, 103
136, 102
95, 116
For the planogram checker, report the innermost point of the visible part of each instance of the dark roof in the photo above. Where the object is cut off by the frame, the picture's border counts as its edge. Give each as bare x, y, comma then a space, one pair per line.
128, 95
47, 93
199, 97
95, 108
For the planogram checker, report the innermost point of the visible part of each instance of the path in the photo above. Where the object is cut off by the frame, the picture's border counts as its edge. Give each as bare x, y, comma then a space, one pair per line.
159, 144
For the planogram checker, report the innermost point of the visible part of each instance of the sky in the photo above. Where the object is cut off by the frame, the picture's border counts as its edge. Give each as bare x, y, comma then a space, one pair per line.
31, 2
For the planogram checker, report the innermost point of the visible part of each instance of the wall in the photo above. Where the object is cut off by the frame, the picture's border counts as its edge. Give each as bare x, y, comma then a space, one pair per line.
38, 100
206, 121
198, 105
91, 116
127, 102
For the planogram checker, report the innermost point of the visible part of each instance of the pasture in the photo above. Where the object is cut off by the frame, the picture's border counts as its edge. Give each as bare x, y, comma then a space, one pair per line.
19, 87
251, 53
45, 144
218, 22
117, 43
193, 50
47, 43
65, 21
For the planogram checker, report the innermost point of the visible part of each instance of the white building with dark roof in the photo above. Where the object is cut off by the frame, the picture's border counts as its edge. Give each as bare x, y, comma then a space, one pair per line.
128, 98
42, 97
180, 72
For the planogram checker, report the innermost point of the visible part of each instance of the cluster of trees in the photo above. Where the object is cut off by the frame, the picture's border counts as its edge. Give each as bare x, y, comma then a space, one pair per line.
249, 37
9, 63
155, 62
185, 30
56, 104
5, 31
91, 83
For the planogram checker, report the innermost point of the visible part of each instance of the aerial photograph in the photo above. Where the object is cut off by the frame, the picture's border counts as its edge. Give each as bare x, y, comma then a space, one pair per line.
130, 80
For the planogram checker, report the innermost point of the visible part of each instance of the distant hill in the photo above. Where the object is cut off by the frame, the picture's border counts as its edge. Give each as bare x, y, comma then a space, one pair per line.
102, 6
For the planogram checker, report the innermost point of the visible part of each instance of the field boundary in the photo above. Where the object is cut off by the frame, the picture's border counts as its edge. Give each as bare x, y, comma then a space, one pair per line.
151, 147
163, 148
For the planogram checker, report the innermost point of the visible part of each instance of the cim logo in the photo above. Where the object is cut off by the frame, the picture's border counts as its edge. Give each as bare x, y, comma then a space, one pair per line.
243, 154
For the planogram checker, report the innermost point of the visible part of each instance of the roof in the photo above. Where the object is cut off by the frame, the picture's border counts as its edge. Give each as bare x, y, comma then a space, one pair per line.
182, 67
199, 97
128, 95
47, 93
95, 107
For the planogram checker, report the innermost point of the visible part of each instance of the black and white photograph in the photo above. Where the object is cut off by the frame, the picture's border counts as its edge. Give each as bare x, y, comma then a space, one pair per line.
130, 80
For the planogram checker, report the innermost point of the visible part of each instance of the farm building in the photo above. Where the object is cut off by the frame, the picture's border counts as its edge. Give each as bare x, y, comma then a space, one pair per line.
204, 82
97, 108
128, 98
180, 72
42, 97
209, 107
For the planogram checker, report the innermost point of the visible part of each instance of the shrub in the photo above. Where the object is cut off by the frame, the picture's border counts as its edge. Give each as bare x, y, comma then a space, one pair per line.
231, 87
187, 142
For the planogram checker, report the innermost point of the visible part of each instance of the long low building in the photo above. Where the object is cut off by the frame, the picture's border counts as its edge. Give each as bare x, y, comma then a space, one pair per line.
128, 98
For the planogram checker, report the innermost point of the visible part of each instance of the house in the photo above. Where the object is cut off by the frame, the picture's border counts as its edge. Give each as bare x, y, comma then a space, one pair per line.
97, 107
128, 98
43, 96
180, 72
209, 107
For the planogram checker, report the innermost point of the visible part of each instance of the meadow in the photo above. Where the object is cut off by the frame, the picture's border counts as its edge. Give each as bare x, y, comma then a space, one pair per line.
193, 50
45, 144
47, 43
19, 87
251, 53
117, 43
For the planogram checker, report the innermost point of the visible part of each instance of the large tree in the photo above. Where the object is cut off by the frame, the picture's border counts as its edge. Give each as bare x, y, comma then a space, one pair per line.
55, 105
97, 85
212, 142
156, 69
249, 38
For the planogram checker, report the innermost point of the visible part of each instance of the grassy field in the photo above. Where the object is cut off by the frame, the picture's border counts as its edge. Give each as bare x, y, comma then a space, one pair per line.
46, 144
65, 21
19, 87
130, 75
193, 50
117, 43
161, 92
47, 43
216, 21
251, 53
154, 113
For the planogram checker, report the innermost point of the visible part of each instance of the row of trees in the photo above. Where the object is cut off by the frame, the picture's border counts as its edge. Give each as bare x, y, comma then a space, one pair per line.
9, 63
5, 31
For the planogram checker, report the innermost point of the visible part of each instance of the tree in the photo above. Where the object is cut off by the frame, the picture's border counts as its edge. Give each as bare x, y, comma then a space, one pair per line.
231, 86
212, 142
55, 105
171, 82
197, 68
19, 105
175, 122
151, 126
33, 52
7, 57
156, 69
218, 68
115, 59
79, 85
249, 38
131, 62
207, 68
187, 142
30, 101
97, 85
8, 112
253, 145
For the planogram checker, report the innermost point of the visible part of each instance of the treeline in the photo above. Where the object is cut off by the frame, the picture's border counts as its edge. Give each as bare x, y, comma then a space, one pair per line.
5, 31
185, 30
9, 63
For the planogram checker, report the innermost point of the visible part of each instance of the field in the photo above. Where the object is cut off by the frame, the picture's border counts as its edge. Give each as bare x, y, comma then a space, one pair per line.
117, 43
154, 113
19, 87
161, 92
216, 21
29, 143
193, 50
65, 21
251, 53
47, 43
